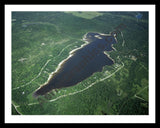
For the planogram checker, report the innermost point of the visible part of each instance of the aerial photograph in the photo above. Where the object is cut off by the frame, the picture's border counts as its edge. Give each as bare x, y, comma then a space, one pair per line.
80, 63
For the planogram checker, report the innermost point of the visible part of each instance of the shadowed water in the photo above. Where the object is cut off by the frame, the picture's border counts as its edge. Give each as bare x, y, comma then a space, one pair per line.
81, 63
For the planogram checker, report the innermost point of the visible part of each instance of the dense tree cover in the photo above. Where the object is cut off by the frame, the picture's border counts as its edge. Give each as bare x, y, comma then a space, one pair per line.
41, 40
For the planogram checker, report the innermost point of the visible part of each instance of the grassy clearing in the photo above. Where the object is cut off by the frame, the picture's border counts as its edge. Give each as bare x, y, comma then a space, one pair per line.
86, 15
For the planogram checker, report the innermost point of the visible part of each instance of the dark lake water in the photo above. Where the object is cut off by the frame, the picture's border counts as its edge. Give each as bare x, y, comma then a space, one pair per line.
82, 63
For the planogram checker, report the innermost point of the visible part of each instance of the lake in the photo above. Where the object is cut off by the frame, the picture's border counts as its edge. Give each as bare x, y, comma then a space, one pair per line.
81, 63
